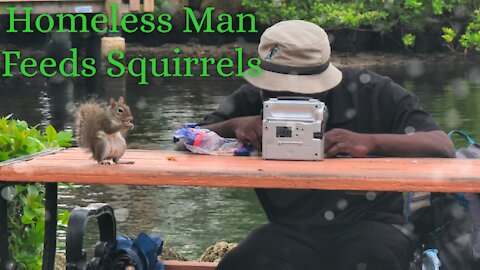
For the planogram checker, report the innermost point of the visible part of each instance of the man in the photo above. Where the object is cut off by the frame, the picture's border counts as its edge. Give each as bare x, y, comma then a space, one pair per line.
369, 115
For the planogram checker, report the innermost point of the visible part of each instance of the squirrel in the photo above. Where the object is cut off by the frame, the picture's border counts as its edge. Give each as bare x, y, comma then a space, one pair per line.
101, 129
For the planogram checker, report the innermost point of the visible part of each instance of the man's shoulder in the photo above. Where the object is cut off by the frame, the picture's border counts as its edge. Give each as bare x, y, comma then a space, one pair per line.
365, 80
245, 95
246, 90
362, 75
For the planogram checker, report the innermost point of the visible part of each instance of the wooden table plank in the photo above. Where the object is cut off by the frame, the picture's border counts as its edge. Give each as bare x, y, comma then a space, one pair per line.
184, 169
181, 265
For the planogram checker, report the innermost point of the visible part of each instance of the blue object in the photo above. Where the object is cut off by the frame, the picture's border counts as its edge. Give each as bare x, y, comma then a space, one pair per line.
430, 260
142, 252
243, 150
183, 132
468, 138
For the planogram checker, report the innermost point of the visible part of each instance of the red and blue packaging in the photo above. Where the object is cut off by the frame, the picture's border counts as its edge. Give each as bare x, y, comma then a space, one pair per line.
204, 141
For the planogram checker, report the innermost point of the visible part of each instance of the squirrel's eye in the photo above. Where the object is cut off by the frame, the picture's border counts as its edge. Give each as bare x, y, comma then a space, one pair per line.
120, 110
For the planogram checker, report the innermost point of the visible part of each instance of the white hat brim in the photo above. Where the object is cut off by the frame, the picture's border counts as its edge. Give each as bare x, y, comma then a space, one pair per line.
302, 84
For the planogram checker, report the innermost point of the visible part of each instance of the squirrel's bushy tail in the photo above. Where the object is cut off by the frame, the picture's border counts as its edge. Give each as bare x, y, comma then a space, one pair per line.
88, 117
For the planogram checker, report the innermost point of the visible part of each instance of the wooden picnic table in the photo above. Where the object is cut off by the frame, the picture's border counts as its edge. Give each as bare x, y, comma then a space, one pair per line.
166, 168
184, 169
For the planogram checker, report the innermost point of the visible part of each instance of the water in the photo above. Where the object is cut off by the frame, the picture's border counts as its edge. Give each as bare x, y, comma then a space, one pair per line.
192, 218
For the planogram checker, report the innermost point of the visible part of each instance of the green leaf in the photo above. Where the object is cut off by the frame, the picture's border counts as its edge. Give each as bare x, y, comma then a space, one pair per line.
63, 217
20, 188
4, 156
40, 225
51, 134
21, 125
36, 205
37, 144
33, 190
25, 220
65, 138
24, 199
39, 211
448, 34
29, 213
34, 237
408, 40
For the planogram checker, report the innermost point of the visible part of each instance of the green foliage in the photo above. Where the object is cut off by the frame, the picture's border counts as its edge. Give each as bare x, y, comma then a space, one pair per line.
437, 6
327, 13
26, 202
408, 40
27, 224
18, 139
449, 36
349, 15
413, 4
471, 38
416, 17
26, 236
440, 6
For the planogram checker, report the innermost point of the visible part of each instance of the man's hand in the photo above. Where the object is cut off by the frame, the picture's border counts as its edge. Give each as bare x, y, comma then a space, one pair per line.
249, 130
342, 141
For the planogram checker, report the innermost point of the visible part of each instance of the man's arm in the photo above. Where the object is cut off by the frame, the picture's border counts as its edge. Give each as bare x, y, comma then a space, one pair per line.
399, 111
237, 116
247, 129
420, 144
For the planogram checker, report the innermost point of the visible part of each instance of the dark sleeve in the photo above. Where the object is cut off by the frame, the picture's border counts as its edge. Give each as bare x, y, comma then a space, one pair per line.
404, 111
246, 101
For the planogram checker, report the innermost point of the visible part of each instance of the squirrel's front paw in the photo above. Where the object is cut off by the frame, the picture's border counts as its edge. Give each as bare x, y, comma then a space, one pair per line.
104, 162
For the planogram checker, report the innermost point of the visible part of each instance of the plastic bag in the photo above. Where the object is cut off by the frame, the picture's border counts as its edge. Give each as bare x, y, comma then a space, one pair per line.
204, 141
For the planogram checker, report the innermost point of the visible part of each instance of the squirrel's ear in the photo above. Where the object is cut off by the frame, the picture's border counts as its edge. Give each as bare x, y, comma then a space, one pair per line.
121, 100
112, 102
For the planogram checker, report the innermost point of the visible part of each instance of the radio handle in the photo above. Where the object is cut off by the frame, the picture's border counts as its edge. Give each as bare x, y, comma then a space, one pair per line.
293, 98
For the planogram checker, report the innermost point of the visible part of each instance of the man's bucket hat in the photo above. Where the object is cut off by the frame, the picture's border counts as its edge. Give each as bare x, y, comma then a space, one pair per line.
295, 57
